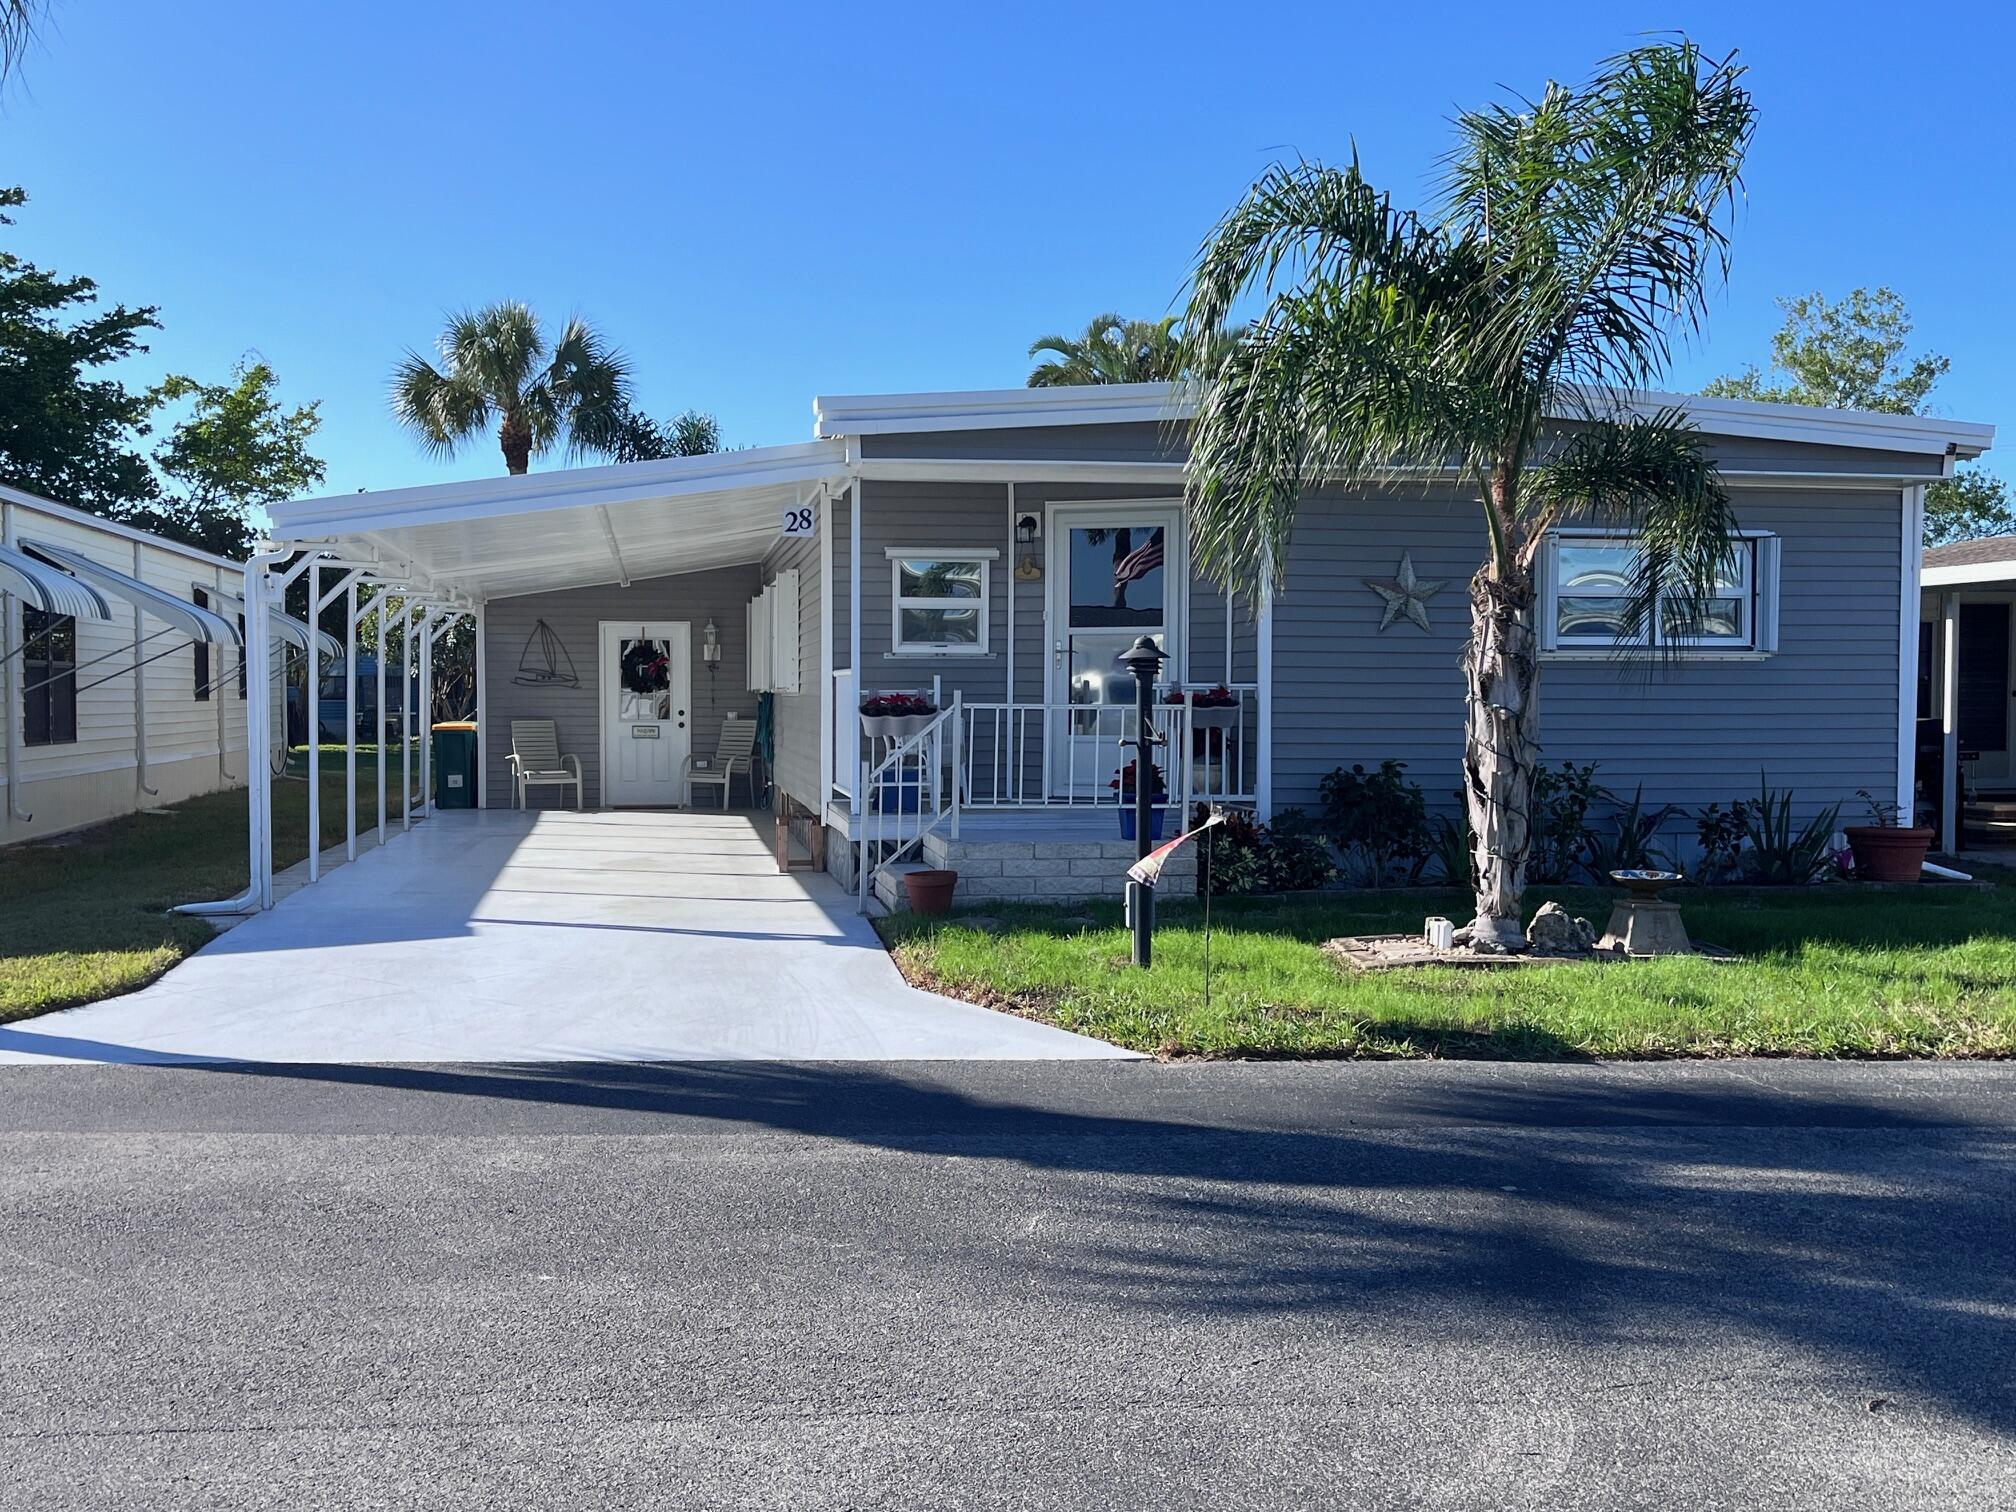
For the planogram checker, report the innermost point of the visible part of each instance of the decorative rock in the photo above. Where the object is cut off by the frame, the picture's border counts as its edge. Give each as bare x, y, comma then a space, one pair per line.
1554, 932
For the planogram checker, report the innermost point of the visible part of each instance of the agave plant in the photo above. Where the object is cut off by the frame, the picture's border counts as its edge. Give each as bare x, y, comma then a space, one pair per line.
1782, 852
1576, 234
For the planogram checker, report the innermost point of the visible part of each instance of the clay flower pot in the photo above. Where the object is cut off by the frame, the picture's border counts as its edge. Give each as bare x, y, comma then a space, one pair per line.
930, 891
1888, 852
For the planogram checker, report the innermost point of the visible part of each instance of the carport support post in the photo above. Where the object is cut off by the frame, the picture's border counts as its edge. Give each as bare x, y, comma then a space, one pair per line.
380, 603
311, 709
259, 732
427, 715
411, 626
350, 721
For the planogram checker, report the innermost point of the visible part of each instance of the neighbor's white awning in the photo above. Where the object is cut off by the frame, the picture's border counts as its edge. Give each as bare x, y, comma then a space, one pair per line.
577, 526
197, 624
48, 588
285, 626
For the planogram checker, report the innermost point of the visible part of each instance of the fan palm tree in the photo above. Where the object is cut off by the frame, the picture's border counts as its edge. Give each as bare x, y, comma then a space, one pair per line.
498, 369
1112, 350
1577, 233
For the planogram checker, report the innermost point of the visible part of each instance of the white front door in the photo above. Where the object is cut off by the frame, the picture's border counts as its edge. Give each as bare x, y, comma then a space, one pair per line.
647, 704
1116, 572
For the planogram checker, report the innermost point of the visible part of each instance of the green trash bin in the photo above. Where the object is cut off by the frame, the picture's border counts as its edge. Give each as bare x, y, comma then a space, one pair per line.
455, 765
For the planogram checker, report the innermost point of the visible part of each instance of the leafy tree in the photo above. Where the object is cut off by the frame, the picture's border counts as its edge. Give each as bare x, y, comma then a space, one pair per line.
636, 437
1111, 350
500, 370
239, 449
1575, 233
1849, 354
67, 430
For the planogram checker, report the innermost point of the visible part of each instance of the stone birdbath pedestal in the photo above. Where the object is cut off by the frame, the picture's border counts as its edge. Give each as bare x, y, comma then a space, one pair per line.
1642, 923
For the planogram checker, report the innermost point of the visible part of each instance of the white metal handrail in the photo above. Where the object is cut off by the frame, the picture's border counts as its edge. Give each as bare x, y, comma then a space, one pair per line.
879, 844
1057, 755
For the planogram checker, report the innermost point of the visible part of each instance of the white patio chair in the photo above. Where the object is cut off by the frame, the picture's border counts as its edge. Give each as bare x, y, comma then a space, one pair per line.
737, 748
536, 760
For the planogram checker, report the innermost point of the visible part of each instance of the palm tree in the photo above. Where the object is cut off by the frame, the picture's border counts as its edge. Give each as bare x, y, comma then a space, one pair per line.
1576, 233
18, 22
1112, 350
499, 369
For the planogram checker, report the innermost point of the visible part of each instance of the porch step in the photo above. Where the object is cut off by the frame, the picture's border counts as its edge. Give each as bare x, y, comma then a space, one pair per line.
1047, 870
889, 889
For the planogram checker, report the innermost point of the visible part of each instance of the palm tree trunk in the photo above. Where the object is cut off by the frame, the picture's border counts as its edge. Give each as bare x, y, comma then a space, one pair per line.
514, 437
1501, 673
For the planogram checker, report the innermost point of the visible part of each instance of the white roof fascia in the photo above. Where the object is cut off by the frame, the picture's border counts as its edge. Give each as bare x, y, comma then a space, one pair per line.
1118, 403
2003, 571
567, 488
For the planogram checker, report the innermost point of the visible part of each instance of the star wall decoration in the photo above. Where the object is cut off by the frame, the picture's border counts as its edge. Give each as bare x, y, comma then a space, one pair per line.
1405, 594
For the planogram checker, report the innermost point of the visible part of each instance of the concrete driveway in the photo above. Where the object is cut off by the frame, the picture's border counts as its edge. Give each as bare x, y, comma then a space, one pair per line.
514, 937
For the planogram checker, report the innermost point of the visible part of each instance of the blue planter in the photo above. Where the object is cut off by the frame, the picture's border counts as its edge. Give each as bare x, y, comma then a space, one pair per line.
1127, 830
894, 797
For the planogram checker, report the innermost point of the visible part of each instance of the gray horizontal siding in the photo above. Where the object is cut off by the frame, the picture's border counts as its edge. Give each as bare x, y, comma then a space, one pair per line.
1820, 717
1151, 441
1138, 441
575, 616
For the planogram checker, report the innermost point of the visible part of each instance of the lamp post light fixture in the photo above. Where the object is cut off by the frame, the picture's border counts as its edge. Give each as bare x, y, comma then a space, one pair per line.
1144, 659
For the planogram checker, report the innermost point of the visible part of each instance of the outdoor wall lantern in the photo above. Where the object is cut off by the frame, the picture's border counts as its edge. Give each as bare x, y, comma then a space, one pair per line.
710, 643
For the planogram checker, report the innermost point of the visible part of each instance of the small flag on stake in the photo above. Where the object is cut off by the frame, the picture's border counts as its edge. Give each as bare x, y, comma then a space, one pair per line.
1148, 870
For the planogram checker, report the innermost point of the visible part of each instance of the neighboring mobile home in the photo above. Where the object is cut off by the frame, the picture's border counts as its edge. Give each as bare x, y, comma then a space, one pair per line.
994, 551
1967, 691
114, 697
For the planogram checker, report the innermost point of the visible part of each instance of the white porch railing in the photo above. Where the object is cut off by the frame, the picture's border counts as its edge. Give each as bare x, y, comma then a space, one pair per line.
1063, 756
908, 791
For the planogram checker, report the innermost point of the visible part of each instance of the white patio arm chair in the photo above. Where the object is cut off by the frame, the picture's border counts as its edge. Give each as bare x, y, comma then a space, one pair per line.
536, 760
737, 748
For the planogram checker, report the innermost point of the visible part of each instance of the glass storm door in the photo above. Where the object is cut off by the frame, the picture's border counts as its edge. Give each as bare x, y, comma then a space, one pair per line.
1115, 574
647, 699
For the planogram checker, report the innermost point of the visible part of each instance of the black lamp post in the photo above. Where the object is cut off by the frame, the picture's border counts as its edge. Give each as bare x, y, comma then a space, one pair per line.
1144, 659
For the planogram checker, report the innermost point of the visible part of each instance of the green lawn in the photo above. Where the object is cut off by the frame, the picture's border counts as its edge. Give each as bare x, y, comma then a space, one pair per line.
1831, 972
84, 917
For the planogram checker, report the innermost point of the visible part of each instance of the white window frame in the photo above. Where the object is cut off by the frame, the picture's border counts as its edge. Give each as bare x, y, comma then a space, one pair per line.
897, 555
1760, 608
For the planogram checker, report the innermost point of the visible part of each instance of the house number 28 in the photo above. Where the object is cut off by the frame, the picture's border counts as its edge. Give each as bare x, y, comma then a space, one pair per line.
798, 521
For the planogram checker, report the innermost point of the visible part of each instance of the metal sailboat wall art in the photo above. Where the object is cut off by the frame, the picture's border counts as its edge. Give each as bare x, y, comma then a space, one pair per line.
544, 663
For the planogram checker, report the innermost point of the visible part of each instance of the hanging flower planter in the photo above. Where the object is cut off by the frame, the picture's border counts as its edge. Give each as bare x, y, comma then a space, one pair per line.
895, 716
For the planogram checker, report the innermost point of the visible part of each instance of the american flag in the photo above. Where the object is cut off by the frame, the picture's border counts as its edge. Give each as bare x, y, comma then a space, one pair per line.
1139, 562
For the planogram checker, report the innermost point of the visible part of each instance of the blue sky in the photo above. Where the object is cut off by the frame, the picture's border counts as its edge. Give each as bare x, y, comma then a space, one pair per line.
761, 203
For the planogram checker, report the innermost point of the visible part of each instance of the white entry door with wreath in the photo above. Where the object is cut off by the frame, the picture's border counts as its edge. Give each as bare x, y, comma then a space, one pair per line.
646, 675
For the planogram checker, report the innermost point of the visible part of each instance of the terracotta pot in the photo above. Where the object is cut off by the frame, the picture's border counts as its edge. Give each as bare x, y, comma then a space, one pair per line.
930, 891
1888, 853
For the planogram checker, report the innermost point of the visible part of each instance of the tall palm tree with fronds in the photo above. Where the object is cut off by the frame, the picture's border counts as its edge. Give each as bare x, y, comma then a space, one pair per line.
1576, 235
497, 369
1111, 350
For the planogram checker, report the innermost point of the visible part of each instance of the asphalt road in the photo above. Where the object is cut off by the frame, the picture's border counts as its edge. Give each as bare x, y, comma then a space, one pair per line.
1101, 1285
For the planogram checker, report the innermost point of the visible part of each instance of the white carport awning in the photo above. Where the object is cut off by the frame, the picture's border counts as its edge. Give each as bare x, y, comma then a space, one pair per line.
285, 626
577, 526
48, 588
197, 624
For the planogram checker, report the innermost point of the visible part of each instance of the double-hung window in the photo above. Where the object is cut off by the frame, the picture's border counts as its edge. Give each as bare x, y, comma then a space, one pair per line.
49, 678
1586, 600
941, 602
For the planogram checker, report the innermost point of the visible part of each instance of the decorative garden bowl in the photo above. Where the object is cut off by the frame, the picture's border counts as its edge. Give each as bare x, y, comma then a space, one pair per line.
1645, 884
